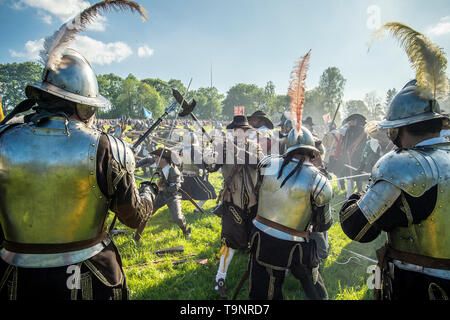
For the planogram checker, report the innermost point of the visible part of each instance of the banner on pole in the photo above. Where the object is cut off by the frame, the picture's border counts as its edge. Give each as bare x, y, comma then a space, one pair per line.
326, 118
147, 114
239, 110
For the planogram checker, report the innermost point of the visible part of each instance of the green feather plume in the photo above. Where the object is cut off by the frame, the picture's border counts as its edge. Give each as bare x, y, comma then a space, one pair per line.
427, 59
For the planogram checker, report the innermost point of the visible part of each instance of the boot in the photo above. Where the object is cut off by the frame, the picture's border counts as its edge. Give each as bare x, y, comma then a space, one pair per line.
221, 288
187, 233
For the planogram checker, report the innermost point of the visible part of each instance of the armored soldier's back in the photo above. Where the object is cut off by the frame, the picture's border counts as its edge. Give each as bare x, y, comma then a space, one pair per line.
291, 205
50, 194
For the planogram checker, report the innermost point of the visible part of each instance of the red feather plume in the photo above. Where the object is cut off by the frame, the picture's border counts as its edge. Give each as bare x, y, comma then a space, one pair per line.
296, 90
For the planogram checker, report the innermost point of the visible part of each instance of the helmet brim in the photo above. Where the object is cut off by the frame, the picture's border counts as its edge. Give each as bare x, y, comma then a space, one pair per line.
389, 124
301, 146
98, 102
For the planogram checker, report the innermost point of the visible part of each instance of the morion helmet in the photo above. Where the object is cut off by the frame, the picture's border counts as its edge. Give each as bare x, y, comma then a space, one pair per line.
74, 80
408, 107
305, 140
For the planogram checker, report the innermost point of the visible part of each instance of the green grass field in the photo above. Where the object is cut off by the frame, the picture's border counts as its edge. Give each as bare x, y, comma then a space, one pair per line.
152, 277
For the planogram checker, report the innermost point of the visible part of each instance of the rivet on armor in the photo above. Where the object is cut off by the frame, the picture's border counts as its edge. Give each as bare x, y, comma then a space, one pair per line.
417, 164
93, 186
92, 158
93, 144
92, 173
422, 173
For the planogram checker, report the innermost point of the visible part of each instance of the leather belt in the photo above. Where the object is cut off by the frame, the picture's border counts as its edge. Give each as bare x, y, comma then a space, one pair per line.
48, 248
280, 227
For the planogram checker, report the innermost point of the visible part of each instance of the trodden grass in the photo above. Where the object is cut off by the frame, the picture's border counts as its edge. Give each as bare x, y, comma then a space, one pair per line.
153, 277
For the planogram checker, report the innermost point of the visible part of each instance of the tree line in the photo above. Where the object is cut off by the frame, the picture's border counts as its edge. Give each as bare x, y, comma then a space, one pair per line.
128, 96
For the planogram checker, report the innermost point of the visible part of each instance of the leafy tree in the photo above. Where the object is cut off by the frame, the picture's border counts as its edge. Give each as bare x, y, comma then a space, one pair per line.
161, 86
241, 94
445, 102
278, 104
356, 106
14, 77
314, 105
109, 86
390, 94
373, 103
133, 96
149, 98
177, 84
331, 88
209, 104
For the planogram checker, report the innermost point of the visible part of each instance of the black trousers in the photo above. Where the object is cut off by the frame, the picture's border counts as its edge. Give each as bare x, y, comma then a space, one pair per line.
99, 278
270, 258
409, 285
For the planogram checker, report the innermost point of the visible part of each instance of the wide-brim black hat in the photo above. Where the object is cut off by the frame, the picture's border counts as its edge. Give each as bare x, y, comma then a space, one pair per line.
308, 121
262, 115
239, 122
358, 117
171, 157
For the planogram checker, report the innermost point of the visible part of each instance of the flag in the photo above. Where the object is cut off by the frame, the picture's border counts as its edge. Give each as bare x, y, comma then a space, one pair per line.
147, 114
326, 118
2, 116
239, 110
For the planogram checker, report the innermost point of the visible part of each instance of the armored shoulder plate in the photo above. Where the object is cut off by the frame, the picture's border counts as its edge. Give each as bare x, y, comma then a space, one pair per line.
412, 171
430, 237
121, 153
322, 192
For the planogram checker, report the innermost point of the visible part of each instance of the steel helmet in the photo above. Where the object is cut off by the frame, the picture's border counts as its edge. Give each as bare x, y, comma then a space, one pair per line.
408, 107
74, 80
304, 140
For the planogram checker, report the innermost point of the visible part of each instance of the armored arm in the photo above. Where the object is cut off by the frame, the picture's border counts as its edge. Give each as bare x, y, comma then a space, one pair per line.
115, 167
403, 193
322, 192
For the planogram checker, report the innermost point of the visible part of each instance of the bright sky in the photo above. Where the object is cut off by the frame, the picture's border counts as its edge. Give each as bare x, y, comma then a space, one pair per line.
248, 41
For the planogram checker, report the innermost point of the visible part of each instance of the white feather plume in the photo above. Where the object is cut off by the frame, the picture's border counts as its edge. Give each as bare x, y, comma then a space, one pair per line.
55, 45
